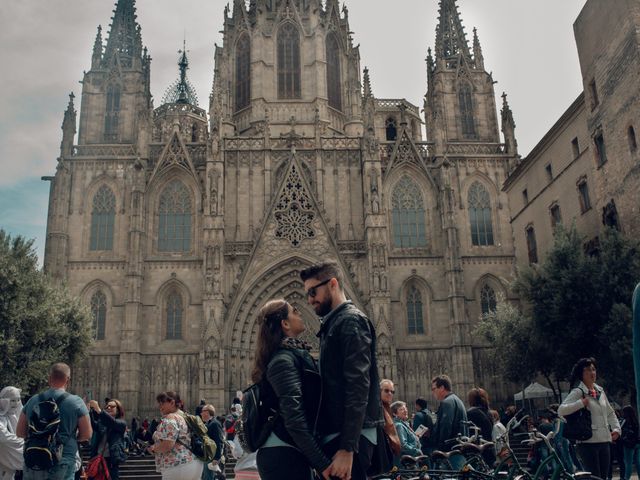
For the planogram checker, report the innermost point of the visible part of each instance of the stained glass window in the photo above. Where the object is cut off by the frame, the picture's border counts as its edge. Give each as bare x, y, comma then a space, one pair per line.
408, 215
175, 313
243, 72
174, 222
488, 301
415, 324
99, 314
112, 113
103, 216
465, 100
480, 215
288, 62
333, 72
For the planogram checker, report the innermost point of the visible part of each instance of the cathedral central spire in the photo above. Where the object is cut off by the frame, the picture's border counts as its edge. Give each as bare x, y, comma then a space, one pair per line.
181, 91
451, 40
125, 40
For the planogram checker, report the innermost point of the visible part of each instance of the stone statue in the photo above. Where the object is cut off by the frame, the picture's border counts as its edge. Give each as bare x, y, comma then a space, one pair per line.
375, 202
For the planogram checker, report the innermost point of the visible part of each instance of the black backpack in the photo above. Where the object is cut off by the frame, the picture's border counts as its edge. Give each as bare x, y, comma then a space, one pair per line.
259, 415
43, 447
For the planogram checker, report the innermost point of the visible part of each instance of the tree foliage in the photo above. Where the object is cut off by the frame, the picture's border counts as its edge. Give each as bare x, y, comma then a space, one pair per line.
40, 323
576, 305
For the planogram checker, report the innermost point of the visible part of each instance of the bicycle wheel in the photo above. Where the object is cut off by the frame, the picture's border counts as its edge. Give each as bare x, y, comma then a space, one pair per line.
477, 463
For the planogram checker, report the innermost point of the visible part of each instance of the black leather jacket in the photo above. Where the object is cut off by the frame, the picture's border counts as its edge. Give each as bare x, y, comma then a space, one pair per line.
114, 428
350, 383
294, 377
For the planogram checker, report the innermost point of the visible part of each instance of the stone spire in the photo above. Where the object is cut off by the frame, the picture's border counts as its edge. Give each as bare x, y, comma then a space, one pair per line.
96, 58
239, 7
124, 40
181, 91
477, 51
508, 127
367, 83
68, 128
451, 41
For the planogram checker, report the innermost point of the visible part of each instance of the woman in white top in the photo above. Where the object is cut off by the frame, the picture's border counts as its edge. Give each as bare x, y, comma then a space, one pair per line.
594, 453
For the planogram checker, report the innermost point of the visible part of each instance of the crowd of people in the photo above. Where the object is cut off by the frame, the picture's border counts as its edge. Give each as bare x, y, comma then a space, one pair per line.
332, 417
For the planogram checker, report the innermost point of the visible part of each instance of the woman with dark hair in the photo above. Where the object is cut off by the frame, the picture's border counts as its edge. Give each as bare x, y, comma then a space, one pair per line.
594, 453
109, 428
630, 441
283, 363
171, 440
479, 414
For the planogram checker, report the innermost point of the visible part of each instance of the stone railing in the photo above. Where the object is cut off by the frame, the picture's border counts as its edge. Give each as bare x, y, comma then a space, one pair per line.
341, 143
475, 148
105, 151
179, 109
244, 143
392, 104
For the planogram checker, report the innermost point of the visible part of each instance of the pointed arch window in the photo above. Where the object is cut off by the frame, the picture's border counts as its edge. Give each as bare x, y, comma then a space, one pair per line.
174, 222
465, 99
488, 302
243, 72
99, 314
112, 113
288, 62
333, 72
103, 216
408, 215
415, 322
174, 315
479, 203
391, 129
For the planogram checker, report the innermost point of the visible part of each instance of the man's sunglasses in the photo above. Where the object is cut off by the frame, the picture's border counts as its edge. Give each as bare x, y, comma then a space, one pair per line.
312, 292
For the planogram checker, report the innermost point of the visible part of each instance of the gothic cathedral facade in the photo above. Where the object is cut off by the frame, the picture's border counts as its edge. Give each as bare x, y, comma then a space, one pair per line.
176, 224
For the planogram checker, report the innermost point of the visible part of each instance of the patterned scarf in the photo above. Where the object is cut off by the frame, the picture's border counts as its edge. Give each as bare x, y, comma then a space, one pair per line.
293, 343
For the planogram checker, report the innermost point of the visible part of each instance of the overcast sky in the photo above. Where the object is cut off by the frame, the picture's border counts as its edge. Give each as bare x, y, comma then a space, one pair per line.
46, 44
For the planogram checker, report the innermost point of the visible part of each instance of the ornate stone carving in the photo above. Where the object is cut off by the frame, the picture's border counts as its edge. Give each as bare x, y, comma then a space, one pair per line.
294, 210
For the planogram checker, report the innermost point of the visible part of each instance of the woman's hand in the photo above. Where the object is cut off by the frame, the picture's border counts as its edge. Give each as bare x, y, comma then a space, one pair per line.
93, 405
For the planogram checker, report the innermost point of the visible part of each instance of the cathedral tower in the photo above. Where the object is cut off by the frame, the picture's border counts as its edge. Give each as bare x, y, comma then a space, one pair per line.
460, 102
116, 94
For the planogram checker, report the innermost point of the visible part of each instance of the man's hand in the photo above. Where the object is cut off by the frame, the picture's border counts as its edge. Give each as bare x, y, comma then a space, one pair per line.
615, 436
326, 473
341, 465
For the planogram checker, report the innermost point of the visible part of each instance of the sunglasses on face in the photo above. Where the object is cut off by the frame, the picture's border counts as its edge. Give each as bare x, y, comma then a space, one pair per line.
110, 406
386, 390
312, 292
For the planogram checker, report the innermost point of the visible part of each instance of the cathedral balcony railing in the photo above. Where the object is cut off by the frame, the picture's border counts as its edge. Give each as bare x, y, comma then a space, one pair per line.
179, 109
391, 104
105, 151
475, 148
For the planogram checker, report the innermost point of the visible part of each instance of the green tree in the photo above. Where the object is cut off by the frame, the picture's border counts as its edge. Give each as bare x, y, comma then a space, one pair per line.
40, 323
577, 305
